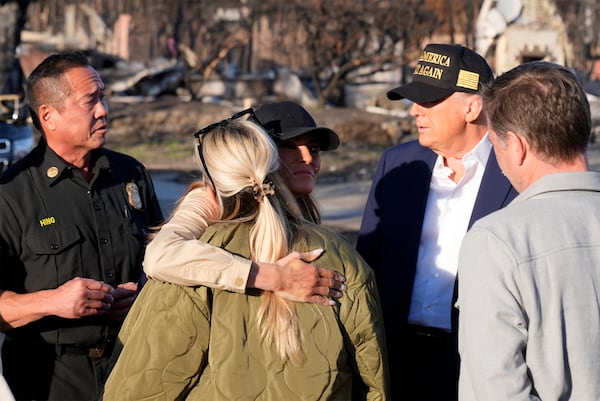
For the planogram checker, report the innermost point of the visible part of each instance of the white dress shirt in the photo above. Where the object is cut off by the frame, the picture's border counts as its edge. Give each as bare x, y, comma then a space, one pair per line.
447, 214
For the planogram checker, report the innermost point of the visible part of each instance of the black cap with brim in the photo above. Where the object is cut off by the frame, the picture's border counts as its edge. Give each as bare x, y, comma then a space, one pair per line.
287, 120
327, 138
419, 92
442, 70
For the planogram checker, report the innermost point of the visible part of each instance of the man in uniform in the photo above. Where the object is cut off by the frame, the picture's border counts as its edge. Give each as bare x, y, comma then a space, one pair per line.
73, 223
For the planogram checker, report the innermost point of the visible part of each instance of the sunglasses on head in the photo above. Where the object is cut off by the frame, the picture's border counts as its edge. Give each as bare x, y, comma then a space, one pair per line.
203, 131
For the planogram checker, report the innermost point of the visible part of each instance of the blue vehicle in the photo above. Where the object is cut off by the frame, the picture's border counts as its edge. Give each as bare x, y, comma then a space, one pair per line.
17, 136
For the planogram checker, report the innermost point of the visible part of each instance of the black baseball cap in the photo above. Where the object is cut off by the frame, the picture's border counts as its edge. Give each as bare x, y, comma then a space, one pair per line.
442, 70
286, 120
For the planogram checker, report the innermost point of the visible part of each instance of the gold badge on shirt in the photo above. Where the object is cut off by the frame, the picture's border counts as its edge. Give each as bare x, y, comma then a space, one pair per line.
52, 172
133, 196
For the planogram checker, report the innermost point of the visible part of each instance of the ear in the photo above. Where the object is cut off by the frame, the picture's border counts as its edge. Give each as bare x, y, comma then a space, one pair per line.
518, 147
45, 113
475, 108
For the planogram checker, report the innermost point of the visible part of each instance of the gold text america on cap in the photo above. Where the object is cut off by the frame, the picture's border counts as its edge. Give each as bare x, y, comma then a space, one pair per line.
435, 58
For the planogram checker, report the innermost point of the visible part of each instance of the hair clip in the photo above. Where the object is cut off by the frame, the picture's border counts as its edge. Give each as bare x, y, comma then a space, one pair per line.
261, 190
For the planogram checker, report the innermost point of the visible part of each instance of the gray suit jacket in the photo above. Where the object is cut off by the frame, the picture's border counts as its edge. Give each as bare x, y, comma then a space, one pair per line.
529, 295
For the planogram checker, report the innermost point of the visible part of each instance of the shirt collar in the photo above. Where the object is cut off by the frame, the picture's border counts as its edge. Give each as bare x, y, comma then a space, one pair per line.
482, 150
55, 168
480, 153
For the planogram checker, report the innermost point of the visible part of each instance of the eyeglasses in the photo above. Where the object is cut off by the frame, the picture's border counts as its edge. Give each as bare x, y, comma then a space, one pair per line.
203, 131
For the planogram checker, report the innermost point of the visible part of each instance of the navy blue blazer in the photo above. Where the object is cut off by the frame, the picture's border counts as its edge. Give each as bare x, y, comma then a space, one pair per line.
391, 226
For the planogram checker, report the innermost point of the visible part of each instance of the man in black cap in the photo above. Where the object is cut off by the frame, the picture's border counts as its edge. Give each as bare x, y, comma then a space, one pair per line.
424, 197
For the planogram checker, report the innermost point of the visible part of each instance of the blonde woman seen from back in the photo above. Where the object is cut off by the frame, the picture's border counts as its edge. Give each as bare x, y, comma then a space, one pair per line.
177, 255
214, 344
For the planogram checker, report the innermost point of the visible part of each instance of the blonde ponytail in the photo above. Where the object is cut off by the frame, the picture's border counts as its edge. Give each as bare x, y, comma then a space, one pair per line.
242, 161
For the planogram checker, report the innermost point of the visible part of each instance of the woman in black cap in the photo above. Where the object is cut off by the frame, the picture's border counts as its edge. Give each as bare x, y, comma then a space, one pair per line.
177, 255
299, 141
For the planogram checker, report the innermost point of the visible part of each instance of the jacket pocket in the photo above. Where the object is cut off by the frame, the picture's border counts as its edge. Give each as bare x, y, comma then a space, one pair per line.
52, 242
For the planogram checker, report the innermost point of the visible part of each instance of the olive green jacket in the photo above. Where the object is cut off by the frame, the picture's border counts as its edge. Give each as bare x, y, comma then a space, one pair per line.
197, 343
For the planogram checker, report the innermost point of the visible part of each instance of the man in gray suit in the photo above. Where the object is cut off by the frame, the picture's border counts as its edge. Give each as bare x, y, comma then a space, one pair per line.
529, 274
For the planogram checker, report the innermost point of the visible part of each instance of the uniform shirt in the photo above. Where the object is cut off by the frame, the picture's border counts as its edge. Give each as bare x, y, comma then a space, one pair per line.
55, 226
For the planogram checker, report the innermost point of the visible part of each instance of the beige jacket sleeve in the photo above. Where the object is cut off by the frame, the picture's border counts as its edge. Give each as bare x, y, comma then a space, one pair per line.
176, 254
